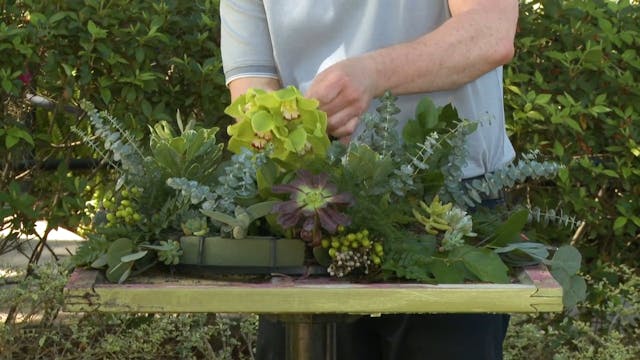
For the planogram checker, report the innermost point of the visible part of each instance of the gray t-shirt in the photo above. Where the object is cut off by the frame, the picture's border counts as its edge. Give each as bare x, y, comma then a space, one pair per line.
294, 40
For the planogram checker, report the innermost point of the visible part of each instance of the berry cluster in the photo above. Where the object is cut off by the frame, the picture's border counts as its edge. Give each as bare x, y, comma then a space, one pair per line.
122, 209
351, 251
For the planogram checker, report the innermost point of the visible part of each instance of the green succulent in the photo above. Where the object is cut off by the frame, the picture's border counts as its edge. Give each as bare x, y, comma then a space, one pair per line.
193, 153
284, 121
195, 226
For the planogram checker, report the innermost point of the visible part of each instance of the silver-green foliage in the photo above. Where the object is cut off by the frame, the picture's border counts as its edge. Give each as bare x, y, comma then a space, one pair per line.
527, 168
120, 148
380, 127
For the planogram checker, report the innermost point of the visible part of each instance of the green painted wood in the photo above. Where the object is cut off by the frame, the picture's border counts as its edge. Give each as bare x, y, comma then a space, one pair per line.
285, 295
251, 251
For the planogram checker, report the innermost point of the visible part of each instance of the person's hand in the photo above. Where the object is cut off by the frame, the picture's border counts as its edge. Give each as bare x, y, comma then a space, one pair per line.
344, 90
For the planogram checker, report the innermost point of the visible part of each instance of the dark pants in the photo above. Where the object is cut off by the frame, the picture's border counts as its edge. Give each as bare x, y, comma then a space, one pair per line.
404, 337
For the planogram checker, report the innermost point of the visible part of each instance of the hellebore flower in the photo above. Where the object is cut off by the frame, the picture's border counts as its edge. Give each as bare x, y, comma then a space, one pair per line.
313, 202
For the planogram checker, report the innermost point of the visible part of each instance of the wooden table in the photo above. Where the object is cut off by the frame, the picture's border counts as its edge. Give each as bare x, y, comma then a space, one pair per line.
309, 307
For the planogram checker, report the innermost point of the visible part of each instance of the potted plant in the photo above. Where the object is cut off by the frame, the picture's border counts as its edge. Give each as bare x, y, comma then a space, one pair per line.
384, 206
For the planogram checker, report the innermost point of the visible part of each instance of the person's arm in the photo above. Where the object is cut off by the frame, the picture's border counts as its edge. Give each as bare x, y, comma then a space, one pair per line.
247, 56
478, 37
239, 86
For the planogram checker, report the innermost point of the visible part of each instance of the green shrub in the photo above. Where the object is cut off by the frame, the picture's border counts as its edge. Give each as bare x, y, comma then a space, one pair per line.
572, 91
605, 327
145, 62
142, 61
42, 334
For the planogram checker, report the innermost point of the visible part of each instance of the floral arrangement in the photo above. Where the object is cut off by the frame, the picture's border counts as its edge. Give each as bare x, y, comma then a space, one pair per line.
386, 206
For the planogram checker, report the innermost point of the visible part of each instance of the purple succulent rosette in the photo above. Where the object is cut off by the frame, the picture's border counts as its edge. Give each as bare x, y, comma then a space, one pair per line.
314, 203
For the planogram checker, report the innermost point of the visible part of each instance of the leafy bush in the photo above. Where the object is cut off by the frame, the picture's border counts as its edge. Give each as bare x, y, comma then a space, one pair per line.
607, 326
41, 334
146, 63
572, 91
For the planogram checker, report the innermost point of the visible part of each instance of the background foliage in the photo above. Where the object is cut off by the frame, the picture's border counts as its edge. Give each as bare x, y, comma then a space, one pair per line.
142, 65
571, 92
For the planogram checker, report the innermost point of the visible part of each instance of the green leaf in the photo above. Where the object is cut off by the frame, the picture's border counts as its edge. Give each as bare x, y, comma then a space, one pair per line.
322, 256
101, 261
536, 250
119, 270
118, 249
20, 134
222, 218
620, 222
260, 209
447, 272
10, 141
485, 264
514, 89
592, 58
95, 31
105, 94
427, 113
575, 292
542, 99
133, 257
57, 17
567, 258
574, 287
599, 109
510, 230
426, 118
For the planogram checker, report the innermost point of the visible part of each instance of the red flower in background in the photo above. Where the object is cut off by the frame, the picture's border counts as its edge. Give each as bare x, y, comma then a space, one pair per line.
26, 78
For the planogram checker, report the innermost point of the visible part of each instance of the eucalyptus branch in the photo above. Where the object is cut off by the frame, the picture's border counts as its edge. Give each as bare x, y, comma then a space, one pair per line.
92, 144
552, 217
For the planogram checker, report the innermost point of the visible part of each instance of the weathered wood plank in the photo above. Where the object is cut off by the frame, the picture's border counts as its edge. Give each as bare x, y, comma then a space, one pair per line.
547, 288
78, 291
317, 295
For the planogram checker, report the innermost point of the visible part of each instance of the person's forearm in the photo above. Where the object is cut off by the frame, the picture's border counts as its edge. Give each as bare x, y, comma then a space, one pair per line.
239, 86
473, 41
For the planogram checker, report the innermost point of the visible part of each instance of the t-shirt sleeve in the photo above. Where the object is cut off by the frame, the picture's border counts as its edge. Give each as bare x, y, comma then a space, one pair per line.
245, 41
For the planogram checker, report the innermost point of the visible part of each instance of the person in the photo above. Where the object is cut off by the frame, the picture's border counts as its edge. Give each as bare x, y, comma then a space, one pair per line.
345, 54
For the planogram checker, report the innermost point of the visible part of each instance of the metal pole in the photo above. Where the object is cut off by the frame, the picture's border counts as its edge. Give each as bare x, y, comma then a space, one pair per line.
310, 337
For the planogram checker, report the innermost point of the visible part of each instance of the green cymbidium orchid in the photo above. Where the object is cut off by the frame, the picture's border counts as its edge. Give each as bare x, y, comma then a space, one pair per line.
290, 124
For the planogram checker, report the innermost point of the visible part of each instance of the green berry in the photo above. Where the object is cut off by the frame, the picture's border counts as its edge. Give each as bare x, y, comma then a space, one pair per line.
325, 243
377, 247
